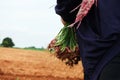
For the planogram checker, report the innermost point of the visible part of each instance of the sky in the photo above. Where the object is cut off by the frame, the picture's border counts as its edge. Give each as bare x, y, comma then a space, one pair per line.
29, 22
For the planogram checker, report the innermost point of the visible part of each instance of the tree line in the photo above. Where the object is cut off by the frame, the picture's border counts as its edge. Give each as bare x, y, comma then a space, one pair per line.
8, 42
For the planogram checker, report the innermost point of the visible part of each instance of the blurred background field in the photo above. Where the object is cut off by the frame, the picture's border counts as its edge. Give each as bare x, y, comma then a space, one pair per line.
35, 65
26, 28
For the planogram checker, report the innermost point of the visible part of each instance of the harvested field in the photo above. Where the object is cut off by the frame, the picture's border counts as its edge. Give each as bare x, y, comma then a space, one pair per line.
18, 64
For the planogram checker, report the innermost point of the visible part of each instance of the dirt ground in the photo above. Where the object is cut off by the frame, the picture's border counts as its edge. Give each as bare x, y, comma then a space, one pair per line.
18, 64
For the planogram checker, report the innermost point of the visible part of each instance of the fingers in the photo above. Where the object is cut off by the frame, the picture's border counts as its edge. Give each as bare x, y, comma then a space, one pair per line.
64, 23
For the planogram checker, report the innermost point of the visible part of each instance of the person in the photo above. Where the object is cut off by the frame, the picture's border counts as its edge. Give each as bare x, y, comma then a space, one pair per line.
98, 37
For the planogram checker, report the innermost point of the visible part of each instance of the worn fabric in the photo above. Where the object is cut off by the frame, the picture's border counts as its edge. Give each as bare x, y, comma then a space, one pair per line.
98, 35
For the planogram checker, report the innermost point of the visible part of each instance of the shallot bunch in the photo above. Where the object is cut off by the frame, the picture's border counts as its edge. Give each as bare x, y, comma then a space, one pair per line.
65, 46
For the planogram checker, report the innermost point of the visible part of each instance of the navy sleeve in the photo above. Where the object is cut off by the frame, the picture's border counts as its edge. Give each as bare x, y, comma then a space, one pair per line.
64, 7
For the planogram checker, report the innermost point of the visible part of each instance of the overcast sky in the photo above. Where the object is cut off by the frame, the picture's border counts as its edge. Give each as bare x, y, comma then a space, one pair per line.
29, 22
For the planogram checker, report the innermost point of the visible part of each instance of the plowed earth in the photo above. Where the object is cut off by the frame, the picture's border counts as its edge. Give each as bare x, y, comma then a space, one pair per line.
18, 64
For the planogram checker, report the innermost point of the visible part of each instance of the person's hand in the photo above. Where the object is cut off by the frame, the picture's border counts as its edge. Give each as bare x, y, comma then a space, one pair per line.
64, 23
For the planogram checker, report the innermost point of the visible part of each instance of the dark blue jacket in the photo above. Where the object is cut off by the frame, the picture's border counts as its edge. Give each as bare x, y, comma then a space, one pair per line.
98, 35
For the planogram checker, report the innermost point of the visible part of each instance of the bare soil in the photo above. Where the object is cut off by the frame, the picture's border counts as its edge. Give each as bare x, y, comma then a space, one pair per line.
18, 64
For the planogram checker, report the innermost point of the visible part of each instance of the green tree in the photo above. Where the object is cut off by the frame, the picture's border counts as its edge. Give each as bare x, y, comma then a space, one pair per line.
7, 42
